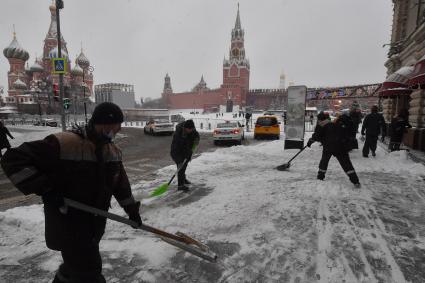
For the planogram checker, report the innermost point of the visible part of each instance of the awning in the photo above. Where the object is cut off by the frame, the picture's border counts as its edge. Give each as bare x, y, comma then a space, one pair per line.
397, 83
417, 78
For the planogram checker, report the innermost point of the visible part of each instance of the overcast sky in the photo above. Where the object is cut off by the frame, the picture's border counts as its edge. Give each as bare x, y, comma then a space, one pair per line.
315, 42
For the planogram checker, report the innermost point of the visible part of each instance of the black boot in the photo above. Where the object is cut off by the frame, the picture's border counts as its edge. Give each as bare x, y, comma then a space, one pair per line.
187, 182
321, 176
183, 188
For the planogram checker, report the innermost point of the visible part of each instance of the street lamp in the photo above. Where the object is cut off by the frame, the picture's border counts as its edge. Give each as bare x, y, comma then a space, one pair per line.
90, 69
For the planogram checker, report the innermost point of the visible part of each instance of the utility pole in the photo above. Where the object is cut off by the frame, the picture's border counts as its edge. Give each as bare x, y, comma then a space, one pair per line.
59, 6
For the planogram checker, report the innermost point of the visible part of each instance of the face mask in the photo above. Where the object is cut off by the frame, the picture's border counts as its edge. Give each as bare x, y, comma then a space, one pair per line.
110, 135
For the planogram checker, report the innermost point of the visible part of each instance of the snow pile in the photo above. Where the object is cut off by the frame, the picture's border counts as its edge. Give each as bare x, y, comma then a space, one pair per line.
266, 225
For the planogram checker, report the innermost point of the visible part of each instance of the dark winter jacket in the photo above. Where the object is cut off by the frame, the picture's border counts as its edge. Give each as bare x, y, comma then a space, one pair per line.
71, 165
183, 143
334, 136
398, 127
4, 142
356, 117
373, 125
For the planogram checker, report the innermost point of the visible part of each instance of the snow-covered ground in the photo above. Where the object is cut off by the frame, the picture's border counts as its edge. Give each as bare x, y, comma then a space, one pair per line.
265, 225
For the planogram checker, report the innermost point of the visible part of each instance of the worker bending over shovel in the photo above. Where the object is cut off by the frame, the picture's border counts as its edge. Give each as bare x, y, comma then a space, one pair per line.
83, 165
335, 138
185, 140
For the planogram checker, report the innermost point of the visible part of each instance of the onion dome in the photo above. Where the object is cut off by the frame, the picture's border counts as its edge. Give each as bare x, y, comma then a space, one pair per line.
15, 51
36, 67
82, 60
18, 84
54, 53
77, 71
52, 7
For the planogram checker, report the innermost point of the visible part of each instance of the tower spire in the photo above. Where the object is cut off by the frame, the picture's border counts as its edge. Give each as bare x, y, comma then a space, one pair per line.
238, 20
14, 32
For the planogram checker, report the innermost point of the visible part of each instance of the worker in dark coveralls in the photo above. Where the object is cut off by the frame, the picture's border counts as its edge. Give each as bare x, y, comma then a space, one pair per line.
185, 140
373, 126
334, 137
83, 165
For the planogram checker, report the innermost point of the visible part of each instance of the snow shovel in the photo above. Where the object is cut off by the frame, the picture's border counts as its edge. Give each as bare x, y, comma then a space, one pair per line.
285, 166
164, 187
179, 239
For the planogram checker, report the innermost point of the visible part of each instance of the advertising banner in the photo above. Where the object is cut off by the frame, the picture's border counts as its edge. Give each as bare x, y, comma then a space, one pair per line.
295, 117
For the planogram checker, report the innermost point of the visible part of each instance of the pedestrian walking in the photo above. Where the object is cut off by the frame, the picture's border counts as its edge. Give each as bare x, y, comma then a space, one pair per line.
4, 142
356, 117
398, 126
83, 165
334, 137
373, 126
185, 140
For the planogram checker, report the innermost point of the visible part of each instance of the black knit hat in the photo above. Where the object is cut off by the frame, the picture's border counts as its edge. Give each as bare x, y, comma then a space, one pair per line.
107, 113
188, 124
321, 116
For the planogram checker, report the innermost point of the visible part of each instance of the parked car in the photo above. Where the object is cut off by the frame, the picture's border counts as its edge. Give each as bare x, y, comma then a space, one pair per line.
159, 127
228, 132
267, 126
46, 122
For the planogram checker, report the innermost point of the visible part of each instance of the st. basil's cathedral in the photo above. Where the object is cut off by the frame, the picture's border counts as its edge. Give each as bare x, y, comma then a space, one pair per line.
31, 85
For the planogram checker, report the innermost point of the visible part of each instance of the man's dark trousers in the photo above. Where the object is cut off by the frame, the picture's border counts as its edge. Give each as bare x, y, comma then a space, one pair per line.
181, 176
344, 161
369, 144
81, 263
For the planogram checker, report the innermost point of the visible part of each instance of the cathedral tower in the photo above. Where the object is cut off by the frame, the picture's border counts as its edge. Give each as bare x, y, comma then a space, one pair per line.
17, 56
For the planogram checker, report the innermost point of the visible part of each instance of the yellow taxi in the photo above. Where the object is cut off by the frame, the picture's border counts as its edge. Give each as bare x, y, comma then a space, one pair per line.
267, 126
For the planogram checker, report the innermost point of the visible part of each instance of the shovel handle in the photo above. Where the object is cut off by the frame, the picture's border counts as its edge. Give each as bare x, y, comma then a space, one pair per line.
301, 150
118, 218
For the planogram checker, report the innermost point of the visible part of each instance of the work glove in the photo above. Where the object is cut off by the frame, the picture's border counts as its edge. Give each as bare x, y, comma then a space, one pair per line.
310, 142
132, 211
55, 198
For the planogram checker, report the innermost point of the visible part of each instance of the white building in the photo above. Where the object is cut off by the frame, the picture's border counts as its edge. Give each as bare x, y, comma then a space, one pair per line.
120, 94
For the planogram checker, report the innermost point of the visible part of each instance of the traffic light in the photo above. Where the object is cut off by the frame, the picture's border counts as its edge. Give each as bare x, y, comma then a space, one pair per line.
56, 92
66, 103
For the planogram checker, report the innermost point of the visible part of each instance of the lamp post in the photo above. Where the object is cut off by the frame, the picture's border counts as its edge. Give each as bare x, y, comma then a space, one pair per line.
59, 6
90, 69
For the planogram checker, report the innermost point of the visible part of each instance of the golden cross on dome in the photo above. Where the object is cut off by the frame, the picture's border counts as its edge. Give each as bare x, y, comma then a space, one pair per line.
14, 32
